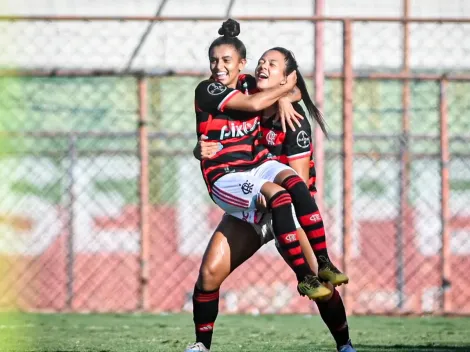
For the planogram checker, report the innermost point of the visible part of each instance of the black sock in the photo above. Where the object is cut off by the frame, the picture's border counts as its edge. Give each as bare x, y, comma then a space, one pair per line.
308, 215
205, 310
334, 315
286, 234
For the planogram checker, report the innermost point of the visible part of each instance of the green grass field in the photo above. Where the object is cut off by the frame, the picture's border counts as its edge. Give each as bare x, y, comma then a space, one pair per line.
171, 333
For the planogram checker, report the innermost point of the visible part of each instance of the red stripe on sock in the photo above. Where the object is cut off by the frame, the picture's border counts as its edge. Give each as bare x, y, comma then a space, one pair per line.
283, 199
316, 233
298, 262
207, 327
310, 219
319, 246
292, 181
206, 297
295, 251
278, 204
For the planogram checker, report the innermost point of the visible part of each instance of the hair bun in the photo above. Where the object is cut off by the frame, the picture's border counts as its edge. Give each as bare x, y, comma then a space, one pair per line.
230, 28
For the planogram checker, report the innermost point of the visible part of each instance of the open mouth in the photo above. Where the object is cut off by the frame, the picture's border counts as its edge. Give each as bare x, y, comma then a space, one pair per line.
221, 75
262, 75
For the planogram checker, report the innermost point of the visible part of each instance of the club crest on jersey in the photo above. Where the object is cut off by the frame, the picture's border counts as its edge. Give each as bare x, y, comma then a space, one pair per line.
216, 88
233, 130
247, 187
302, 140
271, 138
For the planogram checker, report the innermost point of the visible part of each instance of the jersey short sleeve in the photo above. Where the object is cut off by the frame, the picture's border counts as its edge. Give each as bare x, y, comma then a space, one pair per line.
298, 143
211, 96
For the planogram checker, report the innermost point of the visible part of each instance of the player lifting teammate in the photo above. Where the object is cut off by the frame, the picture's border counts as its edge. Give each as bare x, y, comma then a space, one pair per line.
223, 54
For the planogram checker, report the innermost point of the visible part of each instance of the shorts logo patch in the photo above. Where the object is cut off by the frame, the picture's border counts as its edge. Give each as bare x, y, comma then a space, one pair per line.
247, 187
216, 88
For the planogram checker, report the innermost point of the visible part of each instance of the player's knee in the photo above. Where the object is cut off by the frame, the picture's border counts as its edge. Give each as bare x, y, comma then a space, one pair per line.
210, 277
294, 183
270, 190
283, 175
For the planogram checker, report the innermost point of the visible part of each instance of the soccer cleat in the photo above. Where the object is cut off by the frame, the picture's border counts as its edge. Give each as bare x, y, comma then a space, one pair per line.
328, 272
311, 287
347, 348
196, 347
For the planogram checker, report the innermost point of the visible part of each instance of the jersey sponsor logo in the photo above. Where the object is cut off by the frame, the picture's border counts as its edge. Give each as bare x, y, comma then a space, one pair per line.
238, 130
302, 140
247, 187
216, 88
271, 138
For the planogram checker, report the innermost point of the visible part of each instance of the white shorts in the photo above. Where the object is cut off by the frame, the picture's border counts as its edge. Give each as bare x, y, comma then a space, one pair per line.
236, 193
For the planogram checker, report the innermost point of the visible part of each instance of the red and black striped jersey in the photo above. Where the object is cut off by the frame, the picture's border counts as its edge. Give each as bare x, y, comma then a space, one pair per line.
286, 146
290, 145
237, 131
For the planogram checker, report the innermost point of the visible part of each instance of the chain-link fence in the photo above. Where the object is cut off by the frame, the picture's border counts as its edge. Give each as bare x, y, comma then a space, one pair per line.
103, 207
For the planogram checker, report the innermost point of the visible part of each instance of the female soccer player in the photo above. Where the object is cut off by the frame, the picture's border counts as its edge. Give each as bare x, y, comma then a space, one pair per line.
235, 241
243, 169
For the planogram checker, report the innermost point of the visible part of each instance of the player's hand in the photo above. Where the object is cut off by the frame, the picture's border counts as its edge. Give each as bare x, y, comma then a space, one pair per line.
287, 114
208, 149
261, 204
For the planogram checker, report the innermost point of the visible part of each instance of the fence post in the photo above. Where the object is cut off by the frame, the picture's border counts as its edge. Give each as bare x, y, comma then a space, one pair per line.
72, 161
319, 70
142, 93
348, 147
404, 160
445, 193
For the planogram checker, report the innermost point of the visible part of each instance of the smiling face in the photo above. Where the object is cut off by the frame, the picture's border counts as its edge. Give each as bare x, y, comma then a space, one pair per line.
226, 64
271, 70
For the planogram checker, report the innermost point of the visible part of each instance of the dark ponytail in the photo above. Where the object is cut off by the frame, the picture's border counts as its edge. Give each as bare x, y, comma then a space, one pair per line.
229, 31
291, 66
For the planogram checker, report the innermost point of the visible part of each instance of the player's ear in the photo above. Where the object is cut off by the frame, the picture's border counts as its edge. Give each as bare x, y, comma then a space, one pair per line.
242, 64
284, 80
